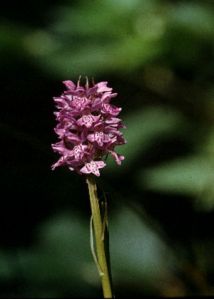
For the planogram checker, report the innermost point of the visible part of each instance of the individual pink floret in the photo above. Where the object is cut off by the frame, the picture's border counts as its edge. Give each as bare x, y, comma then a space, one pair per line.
93, 167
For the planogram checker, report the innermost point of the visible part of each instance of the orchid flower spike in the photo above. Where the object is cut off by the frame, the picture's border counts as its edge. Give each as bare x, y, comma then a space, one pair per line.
88, 127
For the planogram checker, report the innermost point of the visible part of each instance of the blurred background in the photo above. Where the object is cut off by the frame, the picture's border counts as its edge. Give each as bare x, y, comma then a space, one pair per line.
159, 56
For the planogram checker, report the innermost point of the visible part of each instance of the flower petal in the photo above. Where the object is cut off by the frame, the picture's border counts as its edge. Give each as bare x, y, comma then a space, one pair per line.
69, 84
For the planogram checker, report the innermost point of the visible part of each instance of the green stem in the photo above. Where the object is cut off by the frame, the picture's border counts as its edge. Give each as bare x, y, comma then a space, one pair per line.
99, 237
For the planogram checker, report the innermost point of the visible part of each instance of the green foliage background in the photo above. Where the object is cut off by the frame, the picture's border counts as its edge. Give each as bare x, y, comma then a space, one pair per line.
159, 56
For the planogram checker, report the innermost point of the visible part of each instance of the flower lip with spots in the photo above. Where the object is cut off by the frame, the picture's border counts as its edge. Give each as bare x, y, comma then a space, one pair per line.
88, 127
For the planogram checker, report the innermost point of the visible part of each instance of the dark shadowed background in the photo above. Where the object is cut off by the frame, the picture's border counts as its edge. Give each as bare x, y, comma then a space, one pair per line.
159, 56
